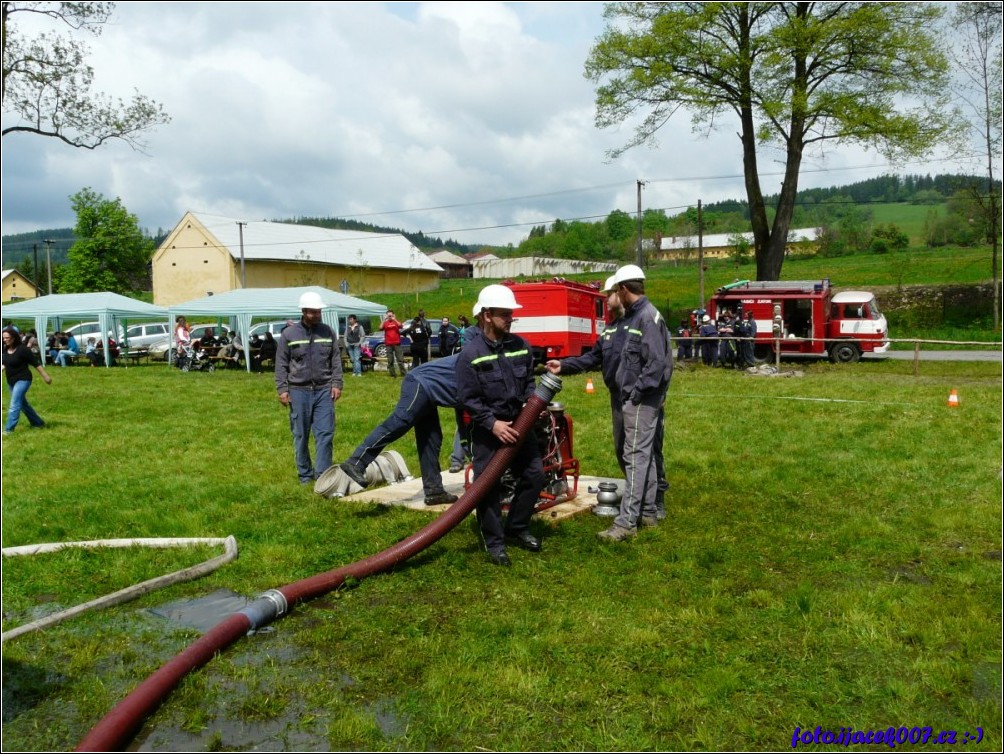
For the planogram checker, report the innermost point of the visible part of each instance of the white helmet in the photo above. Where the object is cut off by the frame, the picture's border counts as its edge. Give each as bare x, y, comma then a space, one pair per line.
628, 272
496, 297
477, 310
705, 318
311, 300
610, 284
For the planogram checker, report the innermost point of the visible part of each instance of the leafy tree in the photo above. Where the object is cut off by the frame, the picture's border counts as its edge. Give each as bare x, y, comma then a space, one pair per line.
927, 196
739, 249
829, 243
979, 62
892, 237
855, 228
620, 226
47, 81
111, 253
799, 75
654, 221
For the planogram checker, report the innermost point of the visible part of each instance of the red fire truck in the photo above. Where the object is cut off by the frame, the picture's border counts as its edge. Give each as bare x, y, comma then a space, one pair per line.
559, 318
805, 317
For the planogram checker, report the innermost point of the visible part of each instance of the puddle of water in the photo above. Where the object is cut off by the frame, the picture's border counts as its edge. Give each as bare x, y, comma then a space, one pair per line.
391, 725
202, 613
227, 734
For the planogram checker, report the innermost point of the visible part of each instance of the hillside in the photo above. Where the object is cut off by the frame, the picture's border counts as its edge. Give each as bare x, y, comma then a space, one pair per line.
906, 201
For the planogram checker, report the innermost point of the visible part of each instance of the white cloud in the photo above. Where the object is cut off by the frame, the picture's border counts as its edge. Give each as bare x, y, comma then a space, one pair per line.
336, 109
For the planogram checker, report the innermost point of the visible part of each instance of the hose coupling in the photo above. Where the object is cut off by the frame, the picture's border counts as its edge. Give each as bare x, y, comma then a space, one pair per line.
550, 385
269, 606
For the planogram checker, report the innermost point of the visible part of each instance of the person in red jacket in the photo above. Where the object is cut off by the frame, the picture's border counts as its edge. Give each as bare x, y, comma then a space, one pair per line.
392, 340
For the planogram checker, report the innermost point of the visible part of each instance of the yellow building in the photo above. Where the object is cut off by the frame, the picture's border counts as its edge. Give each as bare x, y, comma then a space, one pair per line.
16, 287
208, 254
722, 245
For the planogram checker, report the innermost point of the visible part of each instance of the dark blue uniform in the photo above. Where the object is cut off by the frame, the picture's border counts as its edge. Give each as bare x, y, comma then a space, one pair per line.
746, 328
644, 370
423, 390
494, 380
684, 345
727, 347
709, 343
604, 355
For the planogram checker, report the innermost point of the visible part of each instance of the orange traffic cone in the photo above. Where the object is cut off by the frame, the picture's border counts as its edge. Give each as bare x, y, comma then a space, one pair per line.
953, 399
589, 386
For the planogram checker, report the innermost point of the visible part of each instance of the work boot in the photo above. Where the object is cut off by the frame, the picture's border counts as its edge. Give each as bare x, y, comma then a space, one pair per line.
648, 522
455, 467
617, 533
354, 474
500, 558
441, 498
525, 540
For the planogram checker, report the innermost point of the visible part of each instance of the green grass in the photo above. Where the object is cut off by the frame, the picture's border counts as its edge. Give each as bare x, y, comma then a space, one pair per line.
832, 557
910, 218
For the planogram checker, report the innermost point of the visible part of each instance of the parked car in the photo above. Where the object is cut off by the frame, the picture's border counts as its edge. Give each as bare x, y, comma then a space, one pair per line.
198, 332
161, 349
375, 340
146, 334
86, 330
275, 327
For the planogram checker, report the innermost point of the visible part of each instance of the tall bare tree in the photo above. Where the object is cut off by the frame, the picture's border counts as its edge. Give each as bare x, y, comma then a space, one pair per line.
47, 81
978, 62
795, 74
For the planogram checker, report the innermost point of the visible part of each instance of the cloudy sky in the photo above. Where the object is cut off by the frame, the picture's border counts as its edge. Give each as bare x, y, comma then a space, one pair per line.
469, 121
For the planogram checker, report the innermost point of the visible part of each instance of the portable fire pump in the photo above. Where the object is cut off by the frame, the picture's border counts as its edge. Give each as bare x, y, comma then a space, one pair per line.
553, 431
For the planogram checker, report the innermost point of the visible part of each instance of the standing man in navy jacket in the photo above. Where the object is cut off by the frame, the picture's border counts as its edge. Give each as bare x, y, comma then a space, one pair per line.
643, 371
494, 380
308, 378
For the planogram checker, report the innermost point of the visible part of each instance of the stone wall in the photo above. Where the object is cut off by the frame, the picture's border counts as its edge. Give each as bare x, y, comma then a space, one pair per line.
935, 305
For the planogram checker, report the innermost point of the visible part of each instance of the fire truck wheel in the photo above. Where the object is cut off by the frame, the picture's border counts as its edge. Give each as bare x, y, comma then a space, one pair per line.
762, 353
844, 353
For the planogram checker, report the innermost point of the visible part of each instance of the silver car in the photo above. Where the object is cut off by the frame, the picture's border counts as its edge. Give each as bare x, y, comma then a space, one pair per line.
145, 335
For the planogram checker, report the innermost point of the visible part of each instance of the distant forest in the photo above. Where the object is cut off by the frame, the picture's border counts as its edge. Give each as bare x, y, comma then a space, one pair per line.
612, 237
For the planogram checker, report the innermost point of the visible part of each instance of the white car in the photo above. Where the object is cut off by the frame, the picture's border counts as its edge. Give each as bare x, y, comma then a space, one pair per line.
145, 335
86, 330
275, 327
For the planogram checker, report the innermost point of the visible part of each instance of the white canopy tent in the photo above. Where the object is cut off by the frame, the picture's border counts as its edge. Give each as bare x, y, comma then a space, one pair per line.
108, 308
245, 303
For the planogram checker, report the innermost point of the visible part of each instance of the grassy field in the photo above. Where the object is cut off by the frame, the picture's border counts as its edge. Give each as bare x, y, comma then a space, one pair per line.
910, 218
832, 557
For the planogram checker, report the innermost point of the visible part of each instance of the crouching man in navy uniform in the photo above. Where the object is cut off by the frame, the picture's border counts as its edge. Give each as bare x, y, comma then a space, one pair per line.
494, 380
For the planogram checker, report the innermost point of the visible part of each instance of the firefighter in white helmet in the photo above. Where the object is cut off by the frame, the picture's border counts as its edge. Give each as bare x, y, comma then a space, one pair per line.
603, 356
643, 369
494, 380
308, 379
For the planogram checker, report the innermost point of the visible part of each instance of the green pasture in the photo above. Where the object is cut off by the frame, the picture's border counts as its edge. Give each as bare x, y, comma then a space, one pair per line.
910, 218
832, 557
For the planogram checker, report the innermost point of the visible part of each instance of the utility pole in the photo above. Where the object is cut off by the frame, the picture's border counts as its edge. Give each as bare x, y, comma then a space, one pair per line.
34, 269
700, 253
640, 253
48, 261
240, 229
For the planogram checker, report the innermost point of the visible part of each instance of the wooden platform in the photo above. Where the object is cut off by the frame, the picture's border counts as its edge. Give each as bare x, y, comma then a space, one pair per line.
409, 494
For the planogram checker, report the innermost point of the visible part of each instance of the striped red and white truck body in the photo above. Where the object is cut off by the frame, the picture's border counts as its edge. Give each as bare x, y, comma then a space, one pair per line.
558, 317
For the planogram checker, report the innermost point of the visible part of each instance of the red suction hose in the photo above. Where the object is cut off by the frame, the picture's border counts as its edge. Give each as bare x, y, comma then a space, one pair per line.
116, 729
